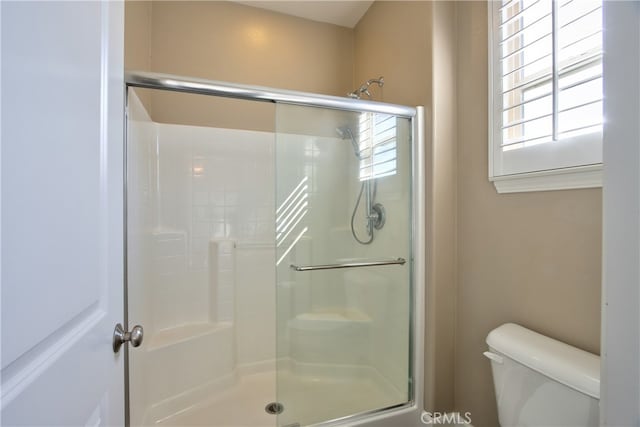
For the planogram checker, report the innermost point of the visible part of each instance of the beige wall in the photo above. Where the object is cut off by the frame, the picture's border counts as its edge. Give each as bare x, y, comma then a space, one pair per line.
528, 258
393, 40
236, 43
413, 45
443, 219
137, 35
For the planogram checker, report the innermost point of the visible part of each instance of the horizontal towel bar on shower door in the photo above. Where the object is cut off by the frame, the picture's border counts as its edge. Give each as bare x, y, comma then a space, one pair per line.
364, 263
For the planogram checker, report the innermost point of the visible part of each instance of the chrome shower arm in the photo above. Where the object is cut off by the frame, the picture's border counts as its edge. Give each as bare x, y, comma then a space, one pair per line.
364, 88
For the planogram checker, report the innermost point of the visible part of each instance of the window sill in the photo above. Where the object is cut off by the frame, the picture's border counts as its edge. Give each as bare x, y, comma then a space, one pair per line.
556, 179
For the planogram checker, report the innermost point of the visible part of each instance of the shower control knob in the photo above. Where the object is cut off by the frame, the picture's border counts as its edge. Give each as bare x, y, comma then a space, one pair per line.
378, 216
120, 336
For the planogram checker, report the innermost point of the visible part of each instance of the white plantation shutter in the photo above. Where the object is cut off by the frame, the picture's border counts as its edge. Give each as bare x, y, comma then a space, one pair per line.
377, 144
546, 85
525, 55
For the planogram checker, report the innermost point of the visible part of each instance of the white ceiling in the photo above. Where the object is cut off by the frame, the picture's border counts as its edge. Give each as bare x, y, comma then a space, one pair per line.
343, 13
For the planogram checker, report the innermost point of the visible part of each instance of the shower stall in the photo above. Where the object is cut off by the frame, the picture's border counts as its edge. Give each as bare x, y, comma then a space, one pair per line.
277, 270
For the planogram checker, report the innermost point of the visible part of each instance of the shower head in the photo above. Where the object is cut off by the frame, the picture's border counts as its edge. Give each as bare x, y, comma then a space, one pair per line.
364, 88
344, 133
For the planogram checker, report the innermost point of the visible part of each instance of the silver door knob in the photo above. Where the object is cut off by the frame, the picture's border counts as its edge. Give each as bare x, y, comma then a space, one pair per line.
120, 336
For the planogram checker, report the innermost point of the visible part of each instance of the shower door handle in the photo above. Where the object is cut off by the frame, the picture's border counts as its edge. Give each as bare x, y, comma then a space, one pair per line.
120, 336
364, 263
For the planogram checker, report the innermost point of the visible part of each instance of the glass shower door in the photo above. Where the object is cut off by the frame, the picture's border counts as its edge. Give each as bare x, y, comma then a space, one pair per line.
200, 263
343, 257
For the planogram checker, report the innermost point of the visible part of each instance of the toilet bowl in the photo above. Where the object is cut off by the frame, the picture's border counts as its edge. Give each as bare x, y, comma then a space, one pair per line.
540, 381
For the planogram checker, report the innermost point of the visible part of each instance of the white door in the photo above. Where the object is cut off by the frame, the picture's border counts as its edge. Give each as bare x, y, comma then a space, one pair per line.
62, 192
620, 364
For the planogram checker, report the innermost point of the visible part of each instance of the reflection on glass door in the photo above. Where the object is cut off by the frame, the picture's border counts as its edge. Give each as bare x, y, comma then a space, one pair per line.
343, 251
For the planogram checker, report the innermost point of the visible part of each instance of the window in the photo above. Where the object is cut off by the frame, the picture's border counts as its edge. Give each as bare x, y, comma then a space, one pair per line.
546, 94
377, 145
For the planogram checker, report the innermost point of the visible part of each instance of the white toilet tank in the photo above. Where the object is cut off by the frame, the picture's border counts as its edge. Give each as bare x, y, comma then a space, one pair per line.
540, 381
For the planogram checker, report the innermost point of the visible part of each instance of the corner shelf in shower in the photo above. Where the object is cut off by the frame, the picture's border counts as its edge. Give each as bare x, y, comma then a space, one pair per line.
171, 336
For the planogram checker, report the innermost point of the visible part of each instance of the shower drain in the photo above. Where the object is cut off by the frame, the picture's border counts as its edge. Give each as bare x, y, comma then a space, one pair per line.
274, 408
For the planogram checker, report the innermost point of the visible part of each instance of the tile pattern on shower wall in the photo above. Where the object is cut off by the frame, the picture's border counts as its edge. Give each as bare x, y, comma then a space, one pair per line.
232, 181
215, 185
172, 288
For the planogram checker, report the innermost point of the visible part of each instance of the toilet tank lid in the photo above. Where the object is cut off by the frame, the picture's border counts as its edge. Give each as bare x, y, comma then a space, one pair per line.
566, 364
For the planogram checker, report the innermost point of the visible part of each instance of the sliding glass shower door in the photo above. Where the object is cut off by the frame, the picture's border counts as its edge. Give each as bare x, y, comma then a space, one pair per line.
343, 256
269, 259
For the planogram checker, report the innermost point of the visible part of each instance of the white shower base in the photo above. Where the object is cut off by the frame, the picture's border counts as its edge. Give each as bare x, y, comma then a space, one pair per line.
242, 404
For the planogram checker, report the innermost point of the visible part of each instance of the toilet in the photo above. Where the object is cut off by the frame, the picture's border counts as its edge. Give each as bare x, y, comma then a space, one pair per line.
540, 381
